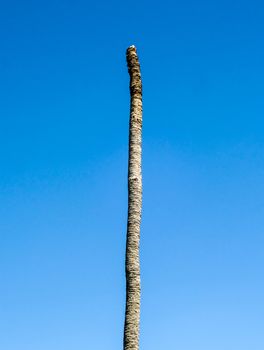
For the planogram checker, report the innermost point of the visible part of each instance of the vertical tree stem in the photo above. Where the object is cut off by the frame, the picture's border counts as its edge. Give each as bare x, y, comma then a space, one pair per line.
132, 316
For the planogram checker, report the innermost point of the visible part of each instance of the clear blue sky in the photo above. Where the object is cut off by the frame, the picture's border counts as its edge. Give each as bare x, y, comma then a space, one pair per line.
64, 108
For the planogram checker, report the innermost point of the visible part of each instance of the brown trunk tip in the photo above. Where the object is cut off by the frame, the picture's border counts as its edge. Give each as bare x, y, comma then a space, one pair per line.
131, 49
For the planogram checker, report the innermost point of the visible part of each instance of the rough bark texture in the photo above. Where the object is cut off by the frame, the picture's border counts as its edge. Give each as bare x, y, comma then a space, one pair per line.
131, 331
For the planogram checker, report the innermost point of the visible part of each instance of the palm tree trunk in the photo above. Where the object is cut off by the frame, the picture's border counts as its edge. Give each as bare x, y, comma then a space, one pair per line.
131, 329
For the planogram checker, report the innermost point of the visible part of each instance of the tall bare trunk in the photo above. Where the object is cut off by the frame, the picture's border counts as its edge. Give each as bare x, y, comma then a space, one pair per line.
131, 331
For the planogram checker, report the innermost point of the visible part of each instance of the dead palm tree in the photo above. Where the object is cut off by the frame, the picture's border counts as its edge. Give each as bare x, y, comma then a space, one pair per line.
131, 329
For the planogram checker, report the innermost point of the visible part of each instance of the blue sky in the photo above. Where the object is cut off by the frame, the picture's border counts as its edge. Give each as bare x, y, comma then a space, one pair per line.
64, 108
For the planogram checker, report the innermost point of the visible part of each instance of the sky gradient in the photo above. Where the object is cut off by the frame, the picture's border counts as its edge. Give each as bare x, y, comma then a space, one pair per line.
64, 109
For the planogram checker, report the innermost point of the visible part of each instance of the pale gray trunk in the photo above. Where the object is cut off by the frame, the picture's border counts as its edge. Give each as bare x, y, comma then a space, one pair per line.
131, 330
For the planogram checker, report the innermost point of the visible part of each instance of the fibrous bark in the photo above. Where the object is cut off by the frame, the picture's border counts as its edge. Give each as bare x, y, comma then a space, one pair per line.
132, 316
